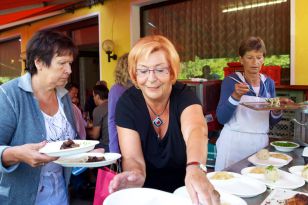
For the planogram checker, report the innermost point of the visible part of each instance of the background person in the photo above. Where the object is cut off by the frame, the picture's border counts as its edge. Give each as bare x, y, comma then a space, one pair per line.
36, 108
79, 120
122, 82
90, 104
245, 130
99, 131
161, 128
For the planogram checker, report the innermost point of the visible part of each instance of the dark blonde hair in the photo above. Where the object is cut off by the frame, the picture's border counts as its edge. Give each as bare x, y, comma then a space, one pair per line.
121, 74
148, 45
252, 44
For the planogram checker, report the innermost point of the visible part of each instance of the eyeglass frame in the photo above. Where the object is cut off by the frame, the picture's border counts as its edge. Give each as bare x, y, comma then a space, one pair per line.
154, 70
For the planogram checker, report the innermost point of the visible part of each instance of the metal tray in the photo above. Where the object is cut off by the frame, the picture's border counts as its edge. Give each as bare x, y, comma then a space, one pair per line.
261, 106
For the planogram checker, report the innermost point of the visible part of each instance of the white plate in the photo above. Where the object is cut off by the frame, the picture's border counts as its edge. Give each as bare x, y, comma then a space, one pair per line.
283, 148
276, 162
79, 160
225, 198
297, 170
278, 196
241, 186
285, 181
144, 196
53, 148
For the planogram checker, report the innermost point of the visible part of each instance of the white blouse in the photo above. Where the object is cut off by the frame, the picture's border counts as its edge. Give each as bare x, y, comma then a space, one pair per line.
52, 188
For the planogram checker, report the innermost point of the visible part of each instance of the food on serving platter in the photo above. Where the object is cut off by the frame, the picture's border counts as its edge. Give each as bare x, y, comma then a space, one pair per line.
263, 154
69, 144
222, 176
305, 172
285, 144
297, 199
271, 173
279, 156
95, 159
275, 102
257, 170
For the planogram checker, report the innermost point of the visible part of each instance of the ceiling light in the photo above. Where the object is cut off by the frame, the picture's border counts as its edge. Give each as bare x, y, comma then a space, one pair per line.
253, 6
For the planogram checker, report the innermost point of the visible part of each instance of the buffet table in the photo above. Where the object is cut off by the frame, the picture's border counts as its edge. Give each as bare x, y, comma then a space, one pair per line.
297, 160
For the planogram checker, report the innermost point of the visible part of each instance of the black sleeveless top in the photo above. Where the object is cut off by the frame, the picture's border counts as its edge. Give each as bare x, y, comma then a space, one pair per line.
165, 159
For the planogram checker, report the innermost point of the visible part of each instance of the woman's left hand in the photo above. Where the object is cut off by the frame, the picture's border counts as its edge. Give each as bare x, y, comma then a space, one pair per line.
201, 191
285, 101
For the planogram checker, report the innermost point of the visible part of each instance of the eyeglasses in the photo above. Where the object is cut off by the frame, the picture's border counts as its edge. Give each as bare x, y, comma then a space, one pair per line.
143, 71
257, 58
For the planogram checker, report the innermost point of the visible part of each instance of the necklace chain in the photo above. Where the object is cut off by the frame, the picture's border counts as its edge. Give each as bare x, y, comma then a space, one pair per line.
158, 121
161, 112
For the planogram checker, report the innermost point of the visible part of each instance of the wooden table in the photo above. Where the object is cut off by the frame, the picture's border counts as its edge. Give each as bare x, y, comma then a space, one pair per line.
257, 200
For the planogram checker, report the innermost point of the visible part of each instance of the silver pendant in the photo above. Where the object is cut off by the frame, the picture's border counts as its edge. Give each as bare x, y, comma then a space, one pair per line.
157, 121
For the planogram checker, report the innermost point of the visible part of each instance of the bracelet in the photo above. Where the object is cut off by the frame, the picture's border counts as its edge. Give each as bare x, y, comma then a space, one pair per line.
200, 165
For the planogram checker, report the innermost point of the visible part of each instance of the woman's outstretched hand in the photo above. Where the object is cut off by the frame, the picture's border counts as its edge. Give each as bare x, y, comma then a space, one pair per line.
125, 180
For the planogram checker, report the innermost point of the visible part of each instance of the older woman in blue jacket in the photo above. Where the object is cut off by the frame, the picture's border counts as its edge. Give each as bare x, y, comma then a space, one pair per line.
35, 108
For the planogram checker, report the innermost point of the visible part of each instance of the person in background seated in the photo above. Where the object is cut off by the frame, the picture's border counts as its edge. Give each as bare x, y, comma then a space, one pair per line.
161, 128
80, 122
122, 82
206, 70
245, 130
90, 104
35, 109
99, 131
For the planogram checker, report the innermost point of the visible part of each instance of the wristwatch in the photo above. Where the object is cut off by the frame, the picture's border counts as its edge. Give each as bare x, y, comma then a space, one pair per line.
200, 165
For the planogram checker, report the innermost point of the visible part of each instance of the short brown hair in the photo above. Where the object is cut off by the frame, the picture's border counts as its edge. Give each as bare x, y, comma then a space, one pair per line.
148, 45
250, 44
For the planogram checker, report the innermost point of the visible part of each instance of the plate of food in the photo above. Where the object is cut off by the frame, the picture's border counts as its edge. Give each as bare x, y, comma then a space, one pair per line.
266, 158
274, 177
284, 146
68, 147
285, 197
88, 159
225, 198
237, 184
301, 170
145, 196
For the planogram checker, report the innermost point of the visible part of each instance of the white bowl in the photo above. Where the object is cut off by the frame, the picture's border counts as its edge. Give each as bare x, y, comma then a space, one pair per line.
305, 155
284, 146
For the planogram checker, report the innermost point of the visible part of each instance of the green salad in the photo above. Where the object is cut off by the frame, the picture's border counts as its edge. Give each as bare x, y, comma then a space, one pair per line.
284, 144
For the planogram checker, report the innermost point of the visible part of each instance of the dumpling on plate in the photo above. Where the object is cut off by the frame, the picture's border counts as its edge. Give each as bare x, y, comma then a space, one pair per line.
263, 154
222, 176
271, 173
305, 172
257, 170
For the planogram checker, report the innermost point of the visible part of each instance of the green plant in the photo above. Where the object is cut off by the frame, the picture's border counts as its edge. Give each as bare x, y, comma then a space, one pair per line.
5, 79
191, 69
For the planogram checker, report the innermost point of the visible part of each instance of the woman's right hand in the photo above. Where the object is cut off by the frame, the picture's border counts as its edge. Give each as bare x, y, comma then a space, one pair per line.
27, 153
125, 180
240, 89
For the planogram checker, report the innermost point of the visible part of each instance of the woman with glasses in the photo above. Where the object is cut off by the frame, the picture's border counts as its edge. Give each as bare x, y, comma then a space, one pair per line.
161, 128
245, 130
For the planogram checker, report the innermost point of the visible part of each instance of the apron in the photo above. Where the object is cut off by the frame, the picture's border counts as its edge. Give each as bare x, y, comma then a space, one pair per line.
244, 134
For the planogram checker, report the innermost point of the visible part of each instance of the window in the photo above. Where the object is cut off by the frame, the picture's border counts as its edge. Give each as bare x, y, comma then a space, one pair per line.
202, 32
10, 60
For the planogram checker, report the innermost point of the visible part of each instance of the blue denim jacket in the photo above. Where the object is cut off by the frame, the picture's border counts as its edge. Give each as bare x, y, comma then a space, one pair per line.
22, 122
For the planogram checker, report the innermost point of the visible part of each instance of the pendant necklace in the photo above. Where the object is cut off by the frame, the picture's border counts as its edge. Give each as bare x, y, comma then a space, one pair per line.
157, 122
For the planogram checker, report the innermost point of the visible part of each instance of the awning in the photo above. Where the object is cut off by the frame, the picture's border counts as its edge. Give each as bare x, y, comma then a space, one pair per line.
16, 12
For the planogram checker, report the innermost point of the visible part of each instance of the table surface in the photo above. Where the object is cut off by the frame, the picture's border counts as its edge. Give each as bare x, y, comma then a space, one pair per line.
257, 200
